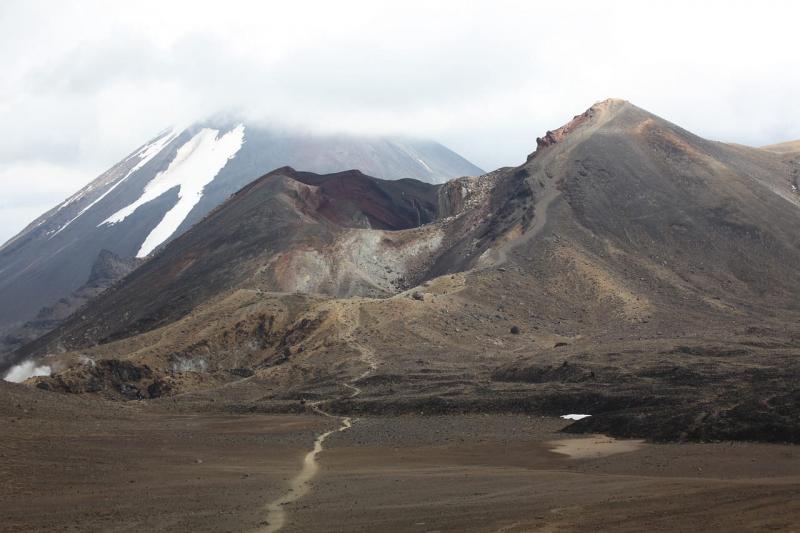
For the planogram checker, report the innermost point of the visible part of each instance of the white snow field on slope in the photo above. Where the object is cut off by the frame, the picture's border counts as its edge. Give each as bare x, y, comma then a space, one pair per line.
424, 164
196, 164
147, 153
25, 370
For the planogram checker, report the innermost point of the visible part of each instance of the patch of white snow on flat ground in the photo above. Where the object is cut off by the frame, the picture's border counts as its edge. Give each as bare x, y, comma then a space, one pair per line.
575, 417
25, 370
147, 153
196, 164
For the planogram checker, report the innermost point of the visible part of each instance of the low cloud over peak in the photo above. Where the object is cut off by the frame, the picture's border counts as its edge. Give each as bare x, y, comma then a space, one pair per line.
84, 84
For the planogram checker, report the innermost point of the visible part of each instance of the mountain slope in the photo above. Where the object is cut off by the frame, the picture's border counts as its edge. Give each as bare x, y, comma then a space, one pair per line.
629, 270
783, 148
280, 233
106, 270
167, 185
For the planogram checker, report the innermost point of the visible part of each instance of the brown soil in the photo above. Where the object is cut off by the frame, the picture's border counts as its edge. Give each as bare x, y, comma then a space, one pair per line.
69, 465
594, 447
73, 464
498, 473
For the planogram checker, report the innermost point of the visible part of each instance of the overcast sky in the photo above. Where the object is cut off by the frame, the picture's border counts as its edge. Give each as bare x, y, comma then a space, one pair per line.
84, 83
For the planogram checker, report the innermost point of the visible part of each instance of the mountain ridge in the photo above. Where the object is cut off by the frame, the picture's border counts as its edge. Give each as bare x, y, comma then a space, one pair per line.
168, 184
623, 266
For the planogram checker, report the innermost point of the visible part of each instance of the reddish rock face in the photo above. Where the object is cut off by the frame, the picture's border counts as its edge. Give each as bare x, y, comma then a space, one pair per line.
352, 199
556, 136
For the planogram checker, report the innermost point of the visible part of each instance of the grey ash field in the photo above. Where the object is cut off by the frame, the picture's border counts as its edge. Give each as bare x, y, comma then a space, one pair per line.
628, 269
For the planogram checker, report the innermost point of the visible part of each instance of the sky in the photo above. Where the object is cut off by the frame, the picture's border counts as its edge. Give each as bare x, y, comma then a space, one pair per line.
85, 82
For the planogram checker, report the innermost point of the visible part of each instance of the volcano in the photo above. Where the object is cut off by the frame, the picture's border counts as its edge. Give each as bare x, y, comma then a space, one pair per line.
623, 268
161, 190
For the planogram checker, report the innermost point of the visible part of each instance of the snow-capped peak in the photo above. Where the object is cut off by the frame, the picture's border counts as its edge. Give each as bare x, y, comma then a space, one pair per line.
195, 165
147, 153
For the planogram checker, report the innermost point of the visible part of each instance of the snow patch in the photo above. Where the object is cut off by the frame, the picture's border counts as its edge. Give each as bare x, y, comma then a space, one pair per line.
424, 164
196, 164
146, 154
74, 198
25, 370
575, 417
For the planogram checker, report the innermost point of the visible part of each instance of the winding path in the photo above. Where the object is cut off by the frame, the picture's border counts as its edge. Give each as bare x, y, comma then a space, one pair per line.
549, 193
300, 485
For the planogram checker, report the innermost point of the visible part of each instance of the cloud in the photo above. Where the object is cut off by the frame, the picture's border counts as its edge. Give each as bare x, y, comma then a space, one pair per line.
86, 82
30, 188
